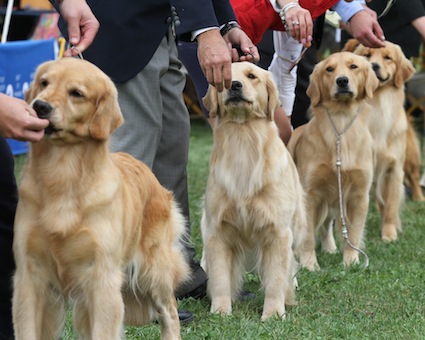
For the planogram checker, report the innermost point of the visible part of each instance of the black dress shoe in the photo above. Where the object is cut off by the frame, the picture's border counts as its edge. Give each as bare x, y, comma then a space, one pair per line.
185, 316
196, 287
246, 295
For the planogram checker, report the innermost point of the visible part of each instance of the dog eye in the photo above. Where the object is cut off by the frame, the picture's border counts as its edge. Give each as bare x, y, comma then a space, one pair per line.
329, 69
76, 93
387, 57
353, 66
44, 83
368, 55
251, 76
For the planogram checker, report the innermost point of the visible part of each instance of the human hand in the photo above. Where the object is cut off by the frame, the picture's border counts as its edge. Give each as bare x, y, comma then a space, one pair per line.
215, 59
299, 23
18, 120
82, 25
365, 28
237, 37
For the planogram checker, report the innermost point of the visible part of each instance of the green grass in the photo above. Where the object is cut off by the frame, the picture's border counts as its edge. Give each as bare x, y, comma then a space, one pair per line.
384, 301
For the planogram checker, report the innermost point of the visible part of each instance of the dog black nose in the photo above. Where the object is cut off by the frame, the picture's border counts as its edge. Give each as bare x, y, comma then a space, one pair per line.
236, 85
376, 66
342, 81
42, 108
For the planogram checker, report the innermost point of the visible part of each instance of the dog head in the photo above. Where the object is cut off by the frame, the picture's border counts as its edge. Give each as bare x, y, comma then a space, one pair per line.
78, 99
389, 63
341, 77
253, 94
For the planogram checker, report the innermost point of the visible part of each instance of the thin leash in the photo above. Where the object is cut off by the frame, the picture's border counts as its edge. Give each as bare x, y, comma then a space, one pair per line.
64, 45
338, 166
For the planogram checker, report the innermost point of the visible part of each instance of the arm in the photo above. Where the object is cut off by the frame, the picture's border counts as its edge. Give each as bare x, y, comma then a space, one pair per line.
419, 24
215, 54
18, 120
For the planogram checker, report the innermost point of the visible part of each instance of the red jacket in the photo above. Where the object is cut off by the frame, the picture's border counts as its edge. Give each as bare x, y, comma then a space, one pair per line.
257, 16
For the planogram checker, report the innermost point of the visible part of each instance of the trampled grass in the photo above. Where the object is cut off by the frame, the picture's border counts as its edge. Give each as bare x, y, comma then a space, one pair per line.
384, 301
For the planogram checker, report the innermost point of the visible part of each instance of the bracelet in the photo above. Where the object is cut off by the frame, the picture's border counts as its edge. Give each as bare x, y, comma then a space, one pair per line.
228, 26
284, 10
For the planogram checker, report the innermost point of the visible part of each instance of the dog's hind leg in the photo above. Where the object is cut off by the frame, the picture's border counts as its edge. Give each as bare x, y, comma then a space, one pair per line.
307, 256
393, 195
170, 323
327, 237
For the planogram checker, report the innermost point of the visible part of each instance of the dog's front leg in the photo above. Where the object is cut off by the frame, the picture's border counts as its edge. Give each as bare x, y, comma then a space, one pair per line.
99, 308
38, 310
277, 273
357, 208
218, 258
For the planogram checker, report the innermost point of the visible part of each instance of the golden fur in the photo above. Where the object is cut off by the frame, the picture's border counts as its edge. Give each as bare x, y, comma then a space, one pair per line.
254, 203
92, 228
389, 127
412, 163
339, 88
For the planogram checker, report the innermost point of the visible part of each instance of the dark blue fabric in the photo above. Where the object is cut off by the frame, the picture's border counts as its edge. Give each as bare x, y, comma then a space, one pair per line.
131, 30
8, 201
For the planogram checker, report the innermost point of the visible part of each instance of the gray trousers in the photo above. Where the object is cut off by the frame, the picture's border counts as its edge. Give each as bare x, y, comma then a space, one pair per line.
156, 129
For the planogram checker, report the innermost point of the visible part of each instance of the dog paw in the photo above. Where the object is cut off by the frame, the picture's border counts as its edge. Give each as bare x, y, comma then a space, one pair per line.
309, 261
280, 312
329, 248
221, 308
350, 258
389, 233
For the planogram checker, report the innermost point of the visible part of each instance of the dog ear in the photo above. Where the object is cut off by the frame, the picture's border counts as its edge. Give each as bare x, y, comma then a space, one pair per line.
313, 89
210, 101
107, 118
32, 90
350, 45
372, 81
273, 102
405, 69
29, 94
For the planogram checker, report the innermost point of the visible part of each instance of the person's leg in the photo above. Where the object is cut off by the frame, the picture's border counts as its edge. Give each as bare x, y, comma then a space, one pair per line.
8, 201
302, 101
157, 131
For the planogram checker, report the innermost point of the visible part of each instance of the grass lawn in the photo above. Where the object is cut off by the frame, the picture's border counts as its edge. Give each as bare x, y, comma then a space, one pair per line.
384, 301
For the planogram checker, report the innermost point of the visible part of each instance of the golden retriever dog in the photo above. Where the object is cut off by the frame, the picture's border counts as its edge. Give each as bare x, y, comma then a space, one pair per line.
254, 202
412, 163
340, 87
92, 228
389, 126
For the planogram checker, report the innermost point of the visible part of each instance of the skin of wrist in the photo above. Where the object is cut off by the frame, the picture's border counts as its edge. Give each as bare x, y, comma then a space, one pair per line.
283, 3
